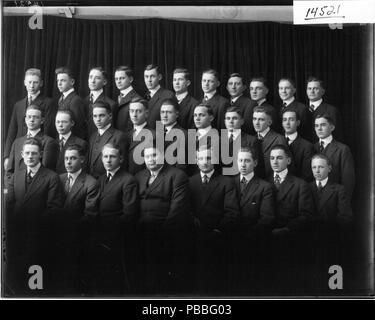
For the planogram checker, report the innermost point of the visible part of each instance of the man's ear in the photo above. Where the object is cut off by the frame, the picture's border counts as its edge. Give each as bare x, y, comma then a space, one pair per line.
333, 127
104, 82
131, 79
255, 163
217, 83
289, 160
160, 76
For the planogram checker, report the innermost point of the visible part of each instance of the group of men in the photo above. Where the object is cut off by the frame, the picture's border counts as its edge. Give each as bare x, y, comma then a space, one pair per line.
166, 193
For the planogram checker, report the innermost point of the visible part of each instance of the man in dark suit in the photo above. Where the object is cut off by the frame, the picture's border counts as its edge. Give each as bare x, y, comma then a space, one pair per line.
64, 123
267, 138
315, 91
124, 77
215, 209
69, 100
338, 153
156, 94
287, 90
301, 149
17, 127
115, 233
181, 82
102, 116
164, 223
98, 78
32, 200
34, 120
236, 87
81, 195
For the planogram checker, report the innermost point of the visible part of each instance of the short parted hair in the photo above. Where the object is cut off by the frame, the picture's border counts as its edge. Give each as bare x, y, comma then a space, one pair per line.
321, 156
291, 110
128, 71
35, 107
208, 108
141, 101
290, 80
265, 110
33, 72
251, 150
236, 110
237, 75
153, 66
100, 69
65, 70
326, 116
260, 79
113, 146
315, 79
102, 104
213, 72
184, 71
34, 142
284, 148
81, 151
171, 102
68, 112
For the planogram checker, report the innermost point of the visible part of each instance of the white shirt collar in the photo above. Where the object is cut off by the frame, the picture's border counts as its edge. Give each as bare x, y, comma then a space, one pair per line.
209, 174
203, 131
96, 94
326, 141
65, 136
264, 133
209, 95
289, 101
113, 172
323, 182
281, 174
34, 96
101, 131
34, 170
33, 133
233, 100
291, 137
138, 128
126, 91
316, 103
181, 96
155, 173
66, 93
259, 102
248, 177
169, 128
235, 132
153, 91
74, 176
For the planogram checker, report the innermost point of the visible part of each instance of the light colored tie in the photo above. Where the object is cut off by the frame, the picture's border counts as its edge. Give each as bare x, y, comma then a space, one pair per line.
152, 178
277, 181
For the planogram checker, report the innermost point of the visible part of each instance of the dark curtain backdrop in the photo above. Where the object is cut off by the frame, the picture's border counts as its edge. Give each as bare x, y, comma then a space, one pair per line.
258, 48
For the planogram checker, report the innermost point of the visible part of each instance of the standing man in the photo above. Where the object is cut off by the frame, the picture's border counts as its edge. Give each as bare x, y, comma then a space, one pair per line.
155, 94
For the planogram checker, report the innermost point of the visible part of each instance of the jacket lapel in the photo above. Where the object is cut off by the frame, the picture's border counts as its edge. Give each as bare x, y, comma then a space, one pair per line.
103, 140
327, 193
77, 186
20, 183
250, 189
35, 183
286, 185
212, 185
268, 140
157, 181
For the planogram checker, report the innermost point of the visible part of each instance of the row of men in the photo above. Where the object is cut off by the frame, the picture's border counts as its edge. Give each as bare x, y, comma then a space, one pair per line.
155, 212
156, 94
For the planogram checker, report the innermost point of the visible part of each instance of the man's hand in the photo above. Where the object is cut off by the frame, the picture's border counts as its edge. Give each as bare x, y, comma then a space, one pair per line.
6, 162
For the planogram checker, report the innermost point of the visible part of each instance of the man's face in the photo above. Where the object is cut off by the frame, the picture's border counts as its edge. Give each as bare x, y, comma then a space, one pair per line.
261, 121
201, 118
258, 90
63, 123
96, 80
138, 113
33, 119
279, 160
64, 82
32, 84
73, 161
320, 168
122, 80
209, 82
235, 86
245, 163
101, 117
323, 128
290, 122
152, 78
31, 155
204, 161
111, 158
233, 121
314, 91
168, 114
153, 159
286, 90
180, 84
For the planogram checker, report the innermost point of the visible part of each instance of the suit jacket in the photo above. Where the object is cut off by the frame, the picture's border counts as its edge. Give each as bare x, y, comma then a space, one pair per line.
119, 197
50, 150
17, 126
42, 197
91, 128
82, 199
121, 114
332, 205
164, 203
96, 144
302, 152
342, 163
246, 106
294, 203
186, 112
75, 104
215, 205
154, 105
338, 133
257, 205
219, 105
60, 165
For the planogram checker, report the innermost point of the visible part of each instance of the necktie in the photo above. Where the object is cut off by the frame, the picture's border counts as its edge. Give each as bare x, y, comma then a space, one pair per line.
243, 184
321, 146
61, 100
288, 139
61, 142
284, 106
311, 108
232, 102
68, 184
28, 135
165, 131
29, 179
109, 176
205, 98
120, 96
134, 133
320, 187
205, 179
197, 141
231, 138
91, 99
29, 101
152, 178
148, 95
260, 138
277, 181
